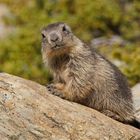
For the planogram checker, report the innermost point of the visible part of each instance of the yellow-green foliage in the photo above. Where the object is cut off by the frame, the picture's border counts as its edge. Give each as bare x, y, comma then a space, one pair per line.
20, 52
131, 56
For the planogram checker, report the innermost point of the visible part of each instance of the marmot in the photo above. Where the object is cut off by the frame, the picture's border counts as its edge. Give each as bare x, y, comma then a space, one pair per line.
84, 76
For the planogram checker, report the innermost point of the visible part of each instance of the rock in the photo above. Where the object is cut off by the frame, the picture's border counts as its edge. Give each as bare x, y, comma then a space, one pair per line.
4, 29
136, 98
28, 112
104, 41
118, 63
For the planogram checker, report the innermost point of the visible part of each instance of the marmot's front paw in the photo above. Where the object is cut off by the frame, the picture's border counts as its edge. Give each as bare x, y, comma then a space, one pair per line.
52, 90
50, 87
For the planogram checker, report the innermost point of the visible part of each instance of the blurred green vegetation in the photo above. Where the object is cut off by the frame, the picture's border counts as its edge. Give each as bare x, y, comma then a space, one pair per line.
20, 52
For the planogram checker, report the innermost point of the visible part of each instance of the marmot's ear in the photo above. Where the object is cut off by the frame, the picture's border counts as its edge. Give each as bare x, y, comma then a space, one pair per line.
65, 28
43, 35
68, 28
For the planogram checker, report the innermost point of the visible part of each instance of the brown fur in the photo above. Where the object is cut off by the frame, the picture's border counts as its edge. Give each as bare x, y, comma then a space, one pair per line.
84, 76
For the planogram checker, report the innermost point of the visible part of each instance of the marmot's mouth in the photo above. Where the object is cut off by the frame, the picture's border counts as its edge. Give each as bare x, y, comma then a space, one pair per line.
58, 46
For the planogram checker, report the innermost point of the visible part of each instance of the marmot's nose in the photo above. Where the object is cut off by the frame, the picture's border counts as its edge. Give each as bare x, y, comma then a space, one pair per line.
54, 37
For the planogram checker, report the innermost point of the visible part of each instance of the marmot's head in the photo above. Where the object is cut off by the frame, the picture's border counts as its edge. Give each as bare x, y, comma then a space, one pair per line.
57, 38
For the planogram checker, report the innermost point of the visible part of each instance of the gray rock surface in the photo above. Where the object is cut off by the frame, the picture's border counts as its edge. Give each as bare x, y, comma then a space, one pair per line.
136, 98
28, 112
4, 29
104, 41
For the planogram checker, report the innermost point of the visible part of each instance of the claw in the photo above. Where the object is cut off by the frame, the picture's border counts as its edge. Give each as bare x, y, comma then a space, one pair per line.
49, 85
53, 90
49, 89
58, 94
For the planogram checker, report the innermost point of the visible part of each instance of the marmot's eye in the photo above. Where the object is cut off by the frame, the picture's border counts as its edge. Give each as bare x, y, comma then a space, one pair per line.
64, 29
